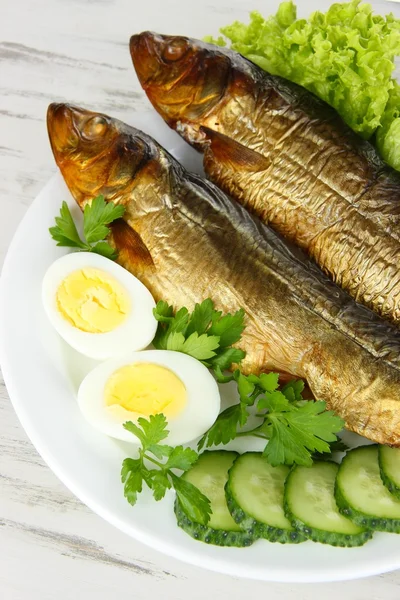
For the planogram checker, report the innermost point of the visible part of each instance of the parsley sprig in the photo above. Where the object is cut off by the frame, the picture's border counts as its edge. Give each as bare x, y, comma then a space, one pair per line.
205, 333
96, 217
150, 432
295, 428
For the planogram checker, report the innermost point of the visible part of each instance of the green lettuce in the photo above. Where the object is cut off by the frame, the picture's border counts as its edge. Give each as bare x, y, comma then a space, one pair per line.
345, 56
388, 134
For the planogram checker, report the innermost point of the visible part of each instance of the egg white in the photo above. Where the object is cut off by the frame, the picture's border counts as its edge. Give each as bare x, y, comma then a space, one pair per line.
200, 412
134, 333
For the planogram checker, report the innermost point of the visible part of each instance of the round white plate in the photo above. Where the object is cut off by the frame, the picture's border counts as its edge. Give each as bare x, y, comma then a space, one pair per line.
42, 375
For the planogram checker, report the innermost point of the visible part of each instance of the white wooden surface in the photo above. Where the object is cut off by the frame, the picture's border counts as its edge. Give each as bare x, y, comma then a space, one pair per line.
52, 546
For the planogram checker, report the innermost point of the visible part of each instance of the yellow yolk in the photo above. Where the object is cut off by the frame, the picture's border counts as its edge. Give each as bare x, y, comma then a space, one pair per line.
145, 389
92, 300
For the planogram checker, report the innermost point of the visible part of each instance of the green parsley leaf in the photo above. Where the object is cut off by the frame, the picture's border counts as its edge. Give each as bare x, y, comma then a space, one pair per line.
228, 328
65, 232
175, 341
293, 390
135, 471
181, 458
149, 431
194, 503
269, 381
180, 321
225, 427
176, 325
195, 333
314, 423
283, 447
148, 474
254, 379
201, 317
336, 446
159, 450
160, 483
154, 428
220, 377
163, 312
105, 249
298, 432
274, 402
131, 477
226, 358
245, 388
135, 430
200, 346
97, 215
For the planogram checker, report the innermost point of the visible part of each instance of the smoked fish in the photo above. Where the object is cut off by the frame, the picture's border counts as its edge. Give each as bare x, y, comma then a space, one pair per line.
187, 241
286, 156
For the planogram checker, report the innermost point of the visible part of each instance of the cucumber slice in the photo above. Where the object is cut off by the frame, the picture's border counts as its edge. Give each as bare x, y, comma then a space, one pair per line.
311, 508
209, 475
361, 494
254, 494
389, 463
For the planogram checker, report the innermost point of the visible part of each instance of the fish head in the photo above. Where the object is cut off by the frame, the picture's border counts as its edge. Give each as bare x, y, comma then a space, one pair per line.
95, 153
183, 78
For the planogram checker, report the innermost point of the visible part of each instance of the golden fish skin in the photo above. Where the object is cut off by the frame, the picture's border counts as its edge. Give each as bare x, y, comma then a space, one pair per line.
187, 241
286, 156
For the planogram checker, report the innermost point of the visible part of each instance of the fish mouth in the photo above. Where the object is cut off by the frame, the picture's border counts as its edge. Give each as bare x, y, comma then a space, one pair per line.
64, 137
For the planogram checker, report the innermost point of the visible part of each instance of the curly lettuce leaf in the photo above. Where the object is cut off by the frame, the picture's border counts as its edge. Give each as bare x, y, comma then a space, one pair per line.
345, 56
388, 135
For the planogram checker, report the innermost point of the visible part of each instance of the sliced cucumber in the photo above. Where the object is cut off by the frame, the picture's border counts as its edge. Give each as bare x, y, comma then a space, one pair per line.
209, 475
311, 508
389, 463
254, 494
361, 494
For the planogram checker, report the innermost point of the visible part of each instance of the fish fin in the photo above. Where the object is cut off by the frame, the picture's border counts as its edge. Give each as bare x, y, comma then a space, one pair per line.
132, 251
224, 149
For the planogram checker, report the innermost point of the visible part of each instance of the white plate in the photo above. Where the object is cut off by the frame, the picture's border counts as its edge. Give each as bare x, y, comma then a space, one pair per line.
42, 375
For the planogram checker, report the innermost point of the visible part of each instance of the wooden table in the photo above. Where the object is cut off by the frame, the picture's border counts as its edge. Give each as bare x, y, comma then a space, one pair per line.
52, 546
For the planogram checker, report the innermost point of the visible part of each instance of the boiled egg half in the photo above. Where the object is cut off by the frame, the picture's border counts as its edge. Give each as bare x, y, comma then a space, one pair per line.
148, 383
98, 307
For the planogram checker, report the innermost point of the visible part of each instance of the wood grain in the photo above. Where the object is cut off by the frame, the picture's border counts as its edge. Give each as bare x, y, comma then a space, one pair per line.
52, 546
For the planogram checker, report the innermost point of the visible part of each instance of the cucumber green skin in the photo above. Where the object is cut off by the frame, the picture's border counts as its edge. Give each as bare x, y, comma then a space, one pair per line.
319, 535
362, 519
327, 537
391, 486
389, 483
217, 537
258, 529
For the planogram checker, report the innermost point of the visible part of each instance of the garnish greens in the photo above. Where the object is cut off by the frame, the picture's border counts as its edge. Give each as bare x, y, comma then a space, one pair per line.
345, 56
150, 433
96, 216
295, 428
204, 334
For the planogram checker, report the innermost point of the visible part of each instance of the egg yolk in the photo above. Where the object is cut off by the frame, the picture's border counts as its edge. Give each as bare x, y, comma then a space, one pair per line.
146, 389
92, 300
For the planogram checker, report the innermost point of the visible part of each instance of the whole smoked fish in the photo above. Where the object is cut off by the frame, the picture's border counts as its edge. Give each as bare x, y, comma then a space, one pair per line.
187, 241
285, 155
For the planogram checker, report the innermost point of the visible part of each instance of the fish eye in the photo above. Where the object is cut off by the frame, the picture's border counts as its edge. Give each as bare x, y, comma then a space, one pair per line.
175, 50
94, 127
